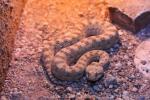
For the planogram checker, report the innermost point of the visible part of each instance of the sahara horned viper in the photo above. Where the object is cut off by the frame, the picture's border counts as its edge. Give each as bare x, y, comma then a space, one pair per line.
78, 56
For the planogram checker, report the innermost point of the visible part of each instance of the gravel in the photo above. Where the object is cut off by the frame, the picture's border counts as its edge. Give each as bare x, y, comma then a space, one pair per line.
27, 79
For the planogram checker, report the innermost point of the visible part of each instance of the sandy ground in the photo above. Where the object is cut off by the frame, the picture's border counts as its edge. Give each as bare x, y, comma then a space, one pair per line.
26, 80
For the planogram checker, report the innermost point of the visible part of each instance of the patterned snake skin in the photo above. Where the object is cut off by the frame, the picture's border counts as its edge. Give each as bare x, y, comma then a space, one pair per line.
68, 58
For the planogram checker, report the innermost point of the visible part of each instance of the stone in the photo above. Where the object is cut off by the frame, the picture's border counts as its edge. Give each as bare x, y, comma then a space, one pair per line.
72, 96
120, 32
134, 89
125, 95
110, 82
141, 98
97, 88
112, 97
16, 96
69, 89
118, 64
78, 94
110, 86
142, 56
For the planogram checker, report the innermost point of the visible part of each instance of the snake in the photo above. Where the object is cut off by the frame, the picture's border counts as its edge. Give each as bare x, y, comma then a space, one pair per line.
70, 58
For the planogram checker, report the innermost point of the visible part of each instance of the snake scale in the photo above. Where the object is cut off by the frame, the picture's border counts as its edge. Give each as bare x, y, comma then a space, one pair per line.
75, 56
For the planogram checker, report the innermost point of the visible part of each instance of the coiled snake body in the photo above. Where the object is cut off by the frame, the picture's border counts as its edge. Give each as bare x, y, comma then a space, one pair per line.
88, 51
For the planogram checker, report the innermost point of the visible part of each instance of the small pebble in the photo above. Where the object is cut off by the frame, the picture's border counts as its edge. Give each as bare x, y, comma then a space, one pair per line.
125, 93
110, 86
110, 82
78, 93
131, 76
141, 98
112, 97
130, 47
126, 57
129, 63
134, 89
97, 87
16, 96
112, 49
117, 45
120, 32
118, 64
69, 89
72, 96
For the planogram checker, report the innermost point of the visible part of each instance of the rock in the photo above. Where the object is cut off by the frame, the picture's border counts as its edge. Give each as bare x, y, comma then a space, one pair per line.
16, 96
69, 89
110, 86
144, 33
129, 63
134, 89
97, 88
131, 77
117, 45
110, 82
119, 99
125, 95
132, 15
126, 57
72, 96
112, 49
112, 97
120, 32
141, 98
118, 66
3, 98
78, 94
142, 56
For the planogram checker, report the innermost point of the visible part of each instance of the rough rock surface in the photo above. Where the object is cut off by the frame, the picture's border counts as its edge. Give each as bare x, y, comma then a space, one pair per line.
10, 12
142, 58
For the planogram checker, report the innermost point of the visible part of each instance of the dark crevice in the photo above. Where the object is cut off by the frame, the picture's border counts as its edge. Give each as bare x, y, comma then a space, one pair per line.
142, 21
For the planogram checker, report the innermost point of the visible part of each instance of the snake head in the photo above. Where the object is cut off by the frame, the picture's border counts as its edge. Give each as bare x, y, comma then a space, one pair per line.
94, 71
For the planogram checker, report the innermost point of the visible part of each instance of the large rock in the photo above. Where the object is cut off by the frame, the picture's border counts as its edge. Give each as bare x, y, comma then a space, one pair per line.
142, 58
